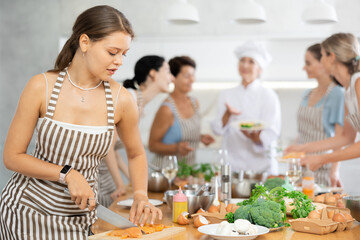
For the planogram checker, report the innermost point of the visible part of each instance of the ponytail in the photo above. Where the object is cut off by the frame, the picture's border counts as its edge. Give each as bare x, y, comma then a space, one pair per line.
142, 69
66, 55
129, 83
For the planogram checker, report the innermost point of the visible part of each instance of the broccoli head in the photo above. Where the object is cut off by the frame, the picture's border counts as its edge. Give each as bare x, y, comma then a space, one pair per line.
273, 183
266, 213
243, 212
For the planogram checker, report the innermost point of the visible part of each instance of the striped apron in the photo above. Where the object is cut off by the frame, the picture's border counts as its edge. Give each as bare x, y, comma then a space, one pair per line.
351, 102
39, 209
190, 132
311, 129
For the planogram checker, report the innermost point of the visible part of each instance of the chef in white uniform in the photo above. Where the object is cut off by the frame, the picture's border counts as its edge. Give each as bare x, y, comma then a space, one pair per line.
250, 101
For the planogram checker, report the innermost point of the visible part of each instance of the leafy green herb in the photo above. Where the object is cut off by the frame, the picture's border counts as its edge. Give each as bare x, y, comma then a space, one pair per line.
230, 217
302, 204
207, 170
184, 170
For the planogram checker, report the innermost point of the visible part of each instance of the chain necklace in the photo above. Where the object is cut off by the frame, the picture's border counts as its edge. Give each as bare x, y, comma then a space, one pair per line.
81, 88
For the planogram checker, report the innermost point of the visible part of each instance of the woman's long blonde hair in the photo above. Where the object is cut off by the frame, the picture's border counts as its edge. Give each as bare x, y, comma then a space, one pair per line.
346, 48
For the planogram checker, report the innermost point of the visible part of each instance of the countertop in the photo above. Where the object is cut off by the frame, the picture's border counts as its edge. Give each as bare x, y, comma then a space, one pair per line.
192, 233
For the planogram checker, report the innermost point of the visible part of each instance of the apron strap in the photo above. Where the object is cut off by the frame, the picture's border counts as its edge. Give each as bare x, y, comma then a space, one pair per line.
55, 94
109, 105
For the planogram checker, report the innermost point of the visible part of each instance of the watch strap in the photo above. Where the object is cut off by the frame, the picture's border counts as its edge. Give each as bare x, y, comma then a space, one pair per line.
64, 171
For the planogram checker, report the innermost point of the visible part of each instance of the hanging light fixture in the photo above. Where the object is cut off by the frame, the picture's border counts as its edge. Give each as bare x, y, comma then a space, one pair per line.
248, 11
320, 12
181, 12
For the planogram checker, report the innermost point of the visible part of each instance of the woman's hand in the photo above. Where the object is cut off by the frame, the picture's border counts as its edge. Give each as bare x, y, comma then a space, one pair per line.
253, 135
183, 148
229, 111
207, 139
120, 191
80, 190
335, 179
314, 161
294, 148
141, 207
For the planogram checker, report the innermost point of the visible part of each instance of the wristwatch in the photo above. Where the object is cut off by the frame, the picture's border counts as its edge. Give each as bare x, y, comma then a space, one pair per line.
64, 171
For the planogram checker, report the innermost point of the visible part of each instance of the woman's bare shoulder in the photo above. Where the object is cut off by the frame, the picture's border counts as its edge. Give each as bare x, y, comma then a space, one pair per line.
37, 82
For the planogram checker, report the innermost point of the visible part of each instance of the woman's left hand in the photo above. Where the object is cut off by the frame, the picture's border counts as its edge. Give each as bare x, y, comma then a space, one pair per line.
335, 179
253, 135
207, 139
314, 162
141, 207
118, 192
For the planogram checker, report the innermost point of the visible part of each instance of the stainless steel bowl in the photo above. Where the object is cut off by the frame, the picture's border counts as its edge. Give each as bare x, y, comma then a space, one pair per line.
242, 189
353, 203
206, 199
243, 182
194, 202
157, 182
192, 186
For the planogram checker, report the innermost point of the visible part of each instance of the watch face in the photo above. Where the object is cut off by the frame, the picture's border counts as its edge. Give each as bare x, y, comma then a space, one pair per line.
65, 169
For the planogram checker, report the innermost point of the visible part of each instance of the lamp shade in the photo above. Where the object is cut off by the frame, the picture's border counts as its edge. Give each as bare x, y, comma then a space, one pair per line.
181, 12
248, 11
320, 12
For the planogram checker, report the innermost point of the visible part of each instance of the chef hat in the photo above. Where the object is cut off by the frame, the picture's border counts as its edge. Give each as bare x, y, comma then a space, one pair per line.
256, 51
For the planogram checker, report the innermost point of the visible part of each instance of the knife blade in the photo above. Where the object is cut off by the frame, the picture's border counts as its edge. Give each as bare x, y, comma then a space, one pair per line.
113, 218
109, 216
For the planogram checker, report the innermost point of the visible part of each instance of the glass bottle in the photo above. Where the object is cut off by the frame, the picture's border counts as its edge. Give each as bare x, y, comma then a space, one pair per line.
308, 182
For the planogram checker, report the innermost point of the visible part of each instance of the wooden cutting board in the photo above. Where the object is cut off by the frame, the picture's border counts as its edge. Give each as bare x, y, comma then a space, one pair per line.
166, 233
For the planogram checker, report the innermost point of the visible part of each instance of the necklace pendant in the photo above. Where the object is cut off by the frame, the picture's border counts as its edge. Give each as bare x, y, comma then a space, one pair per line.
82, 99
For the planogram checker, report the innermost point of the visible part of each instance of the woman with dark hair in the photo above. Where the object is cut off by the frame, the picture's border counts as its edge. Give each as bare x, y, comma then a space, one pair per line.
321, 113
151, 77
176, 127
74, 110
340, 55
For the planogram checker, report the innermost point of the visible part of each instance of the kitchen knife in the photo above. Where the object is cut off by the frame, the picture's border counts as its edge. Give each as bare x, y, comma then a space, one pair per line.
110, 216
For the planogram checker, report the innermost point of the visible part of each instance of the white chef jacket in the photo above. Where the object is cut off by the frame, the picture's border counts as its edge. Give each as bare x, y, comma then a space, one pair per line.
255, 103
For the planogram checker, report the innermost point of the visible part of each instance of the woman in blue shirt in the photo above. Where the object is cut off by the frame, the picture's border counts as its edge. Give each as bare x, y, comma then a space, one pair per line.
177, 124
321, 112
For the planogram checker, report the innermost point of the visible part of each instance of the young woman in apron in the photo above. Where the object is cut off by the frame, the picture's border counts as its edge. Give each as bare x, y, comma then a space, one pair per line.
321, 112
74, 127
340, 57
152, 77
176, 127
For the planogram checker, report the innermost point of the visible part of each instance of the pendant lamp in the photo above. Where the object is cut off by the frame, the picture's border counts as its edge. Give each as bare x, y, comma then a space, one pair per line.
248, 12
320, 12
181, 12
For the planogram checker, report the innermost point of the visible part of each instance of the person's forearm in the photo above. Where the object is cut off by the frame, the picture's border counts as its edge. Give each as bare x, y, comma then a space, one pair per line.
113, 169
327, 144
32, 167
350, 152
225, 118
139, 175
122, 165
163, 149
